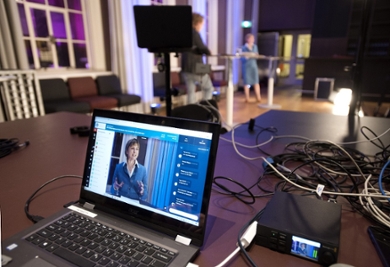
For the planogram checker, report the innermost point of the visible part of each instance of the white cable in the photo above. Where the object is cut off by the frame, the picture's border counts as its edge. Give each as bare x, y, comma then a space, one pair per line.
323, 192
246, 240
268, 141
371, 207
242, 155
208, 107
368, 140
375, 211
235, 144
249, 146
228, 258
367, 193
264, 143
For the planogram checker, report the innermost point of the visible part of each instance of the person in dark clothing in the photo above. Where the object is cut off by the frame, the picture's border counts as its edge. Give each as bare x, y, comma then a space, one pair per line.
189, 60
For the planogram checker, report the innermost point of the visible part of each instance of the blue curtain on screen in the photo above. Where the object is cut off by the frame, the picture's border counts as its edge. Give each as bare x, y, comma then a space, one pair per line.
159, 162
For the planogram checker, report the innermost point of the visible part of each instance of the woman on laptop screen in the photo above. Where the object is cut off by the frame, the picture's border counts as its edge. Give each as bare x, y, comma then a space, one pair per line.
129, 179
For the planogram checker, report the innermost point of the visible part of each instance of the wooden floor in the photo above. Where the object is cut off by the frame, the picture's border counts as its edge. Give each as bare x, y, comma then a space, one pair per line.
289, 98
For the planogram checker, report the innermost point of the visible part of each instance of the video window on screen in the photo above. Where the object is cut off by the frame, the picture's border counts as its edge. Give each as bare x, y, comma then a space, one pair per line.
169, 175
151, 181
305, 248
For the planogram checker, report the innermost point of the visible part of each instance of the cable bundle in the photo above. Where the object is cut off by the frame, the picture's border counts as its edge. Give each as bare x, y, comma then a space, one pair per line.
7, 146
323, 168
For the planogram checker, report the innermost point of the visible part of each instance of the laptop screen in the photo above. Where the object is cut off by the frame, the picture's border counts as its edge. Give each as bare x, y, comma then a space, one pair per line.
155, 168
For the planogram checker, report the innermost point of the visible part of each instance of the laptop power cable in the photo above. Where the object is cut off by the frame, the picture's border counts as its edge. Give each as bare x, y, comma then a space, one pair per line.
37, 218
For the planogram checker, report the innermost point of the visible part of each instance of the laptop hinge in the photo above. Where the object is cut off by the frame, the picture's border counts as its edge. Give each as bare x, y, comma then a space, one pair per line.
88, 206
183, 240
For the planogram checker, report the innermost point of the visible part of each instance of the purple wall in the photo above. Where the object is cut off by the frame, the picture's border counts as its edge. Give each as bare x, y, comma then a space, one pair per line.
279, 15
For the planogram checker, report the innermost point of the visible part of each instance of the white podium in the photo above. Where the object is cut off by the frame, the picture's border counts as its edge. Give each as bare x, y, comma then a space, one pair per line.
230, 88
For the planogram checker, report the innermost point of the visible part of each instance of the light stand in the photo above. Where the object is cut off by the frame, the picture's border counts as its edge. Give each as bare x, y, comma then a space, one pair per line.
357, 67
168, 84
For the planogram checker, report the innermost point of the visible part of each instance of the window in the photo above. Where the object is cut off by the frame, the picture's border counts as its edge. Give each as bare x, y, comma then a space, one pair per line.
156, 2
303, 51
285, 47
294, 47
54, 33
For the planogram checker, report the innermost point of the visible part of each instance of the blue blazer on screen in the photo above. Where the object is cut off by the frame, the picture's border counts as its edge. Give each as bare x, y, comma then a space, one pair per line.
130, 186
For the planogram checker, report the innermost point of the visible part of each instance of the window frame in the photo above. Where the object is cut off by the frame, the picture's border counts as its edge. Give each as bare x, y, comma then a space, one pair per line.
65, 11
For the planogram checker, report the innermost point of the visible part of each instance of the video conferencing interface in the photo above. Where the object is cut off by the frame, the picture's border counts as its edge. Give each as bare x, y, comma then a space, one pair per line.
305, 248
170, 173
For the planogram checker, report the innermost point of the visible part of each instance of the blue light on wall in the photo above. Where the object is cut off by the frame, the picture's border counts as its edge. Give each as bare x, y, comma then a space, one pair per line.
246, 24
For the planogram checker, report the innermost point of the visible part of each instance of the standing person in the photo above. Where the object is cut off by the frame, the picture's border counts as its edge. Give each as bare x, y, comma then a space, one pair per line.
250, 71
129, 179
190, 59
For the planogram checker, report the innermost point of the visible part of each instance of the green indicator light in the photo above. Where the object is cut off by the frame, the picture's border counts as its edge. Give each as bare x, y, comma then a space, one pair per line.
315, 252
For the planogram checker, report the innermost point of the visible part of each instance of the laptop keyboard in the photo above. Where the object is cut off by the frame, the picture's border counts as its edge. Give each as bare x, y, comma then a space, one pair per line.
87, 243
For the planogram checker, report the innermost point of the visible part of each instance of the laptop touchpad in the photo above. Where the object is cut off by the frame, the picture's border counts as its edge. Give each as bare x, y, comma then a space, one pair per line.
38, 262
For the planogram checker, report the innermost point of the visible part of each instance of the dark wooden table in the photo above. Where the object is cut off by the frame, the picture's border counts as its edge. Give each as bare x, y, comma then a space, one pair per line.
53, 151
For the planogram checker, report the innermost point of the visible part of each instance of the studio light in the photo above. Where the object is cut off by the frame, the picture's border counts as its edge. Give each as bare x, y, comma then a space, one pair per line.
343, 97
341, 102
155, 108
246, 24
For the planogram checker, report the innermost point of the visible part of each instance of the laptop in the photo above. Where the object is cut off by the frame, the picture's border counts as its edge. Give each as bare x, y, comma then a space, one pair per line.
158, 206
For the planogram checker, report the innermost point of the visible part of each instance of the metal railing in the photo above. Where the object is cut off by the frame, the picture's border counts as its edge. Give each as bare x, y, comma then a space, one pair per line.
20, 95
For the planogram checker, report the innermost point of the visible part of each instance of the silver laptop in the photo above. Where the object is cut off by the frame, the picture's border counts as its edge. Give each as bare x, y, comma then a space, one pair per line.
143, 201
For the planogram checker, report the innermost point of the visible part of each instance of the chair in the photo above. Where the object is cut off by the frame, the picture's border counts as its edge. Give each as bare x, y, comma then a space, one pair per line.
83, 89
56, 97
159, 85
177, 83
193, 112
109, 85
218, 83
203, 111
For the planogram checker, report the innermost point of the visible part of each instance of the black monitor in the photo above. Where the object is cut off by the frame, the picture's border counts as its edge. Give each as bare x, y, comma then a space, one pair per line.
164, 28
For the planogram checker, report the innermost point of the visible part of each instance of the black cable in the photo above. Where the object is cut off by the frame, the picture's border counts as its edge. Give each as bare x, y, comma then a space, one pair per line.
317, 172
268, 129
269, 192
355, 186
371, 141
36, 218
346, 162
357, 163
237, 195
7, 146
241, 232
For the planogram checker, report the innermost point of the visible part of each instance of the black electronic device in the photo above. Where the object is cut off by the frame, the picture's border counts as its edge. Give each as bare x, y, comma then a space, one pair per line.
164, 28
301, 226
251, 125
381, 240
80, 130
